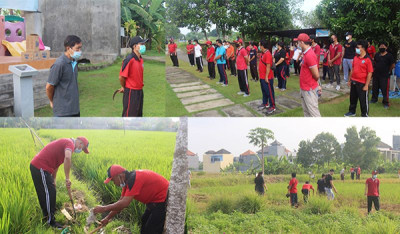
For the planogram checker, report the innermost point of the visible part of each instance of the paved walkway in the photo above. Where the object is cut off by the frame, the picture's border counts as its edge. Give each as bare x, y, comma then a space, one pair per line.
204, 101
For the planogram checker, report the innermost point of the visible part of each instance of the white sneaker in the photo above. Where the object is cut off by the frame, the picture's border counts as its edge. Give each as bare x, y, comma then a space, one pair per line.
246, 95
337, 87
240, 93
328, 86
224, 85
283, 90
220, 82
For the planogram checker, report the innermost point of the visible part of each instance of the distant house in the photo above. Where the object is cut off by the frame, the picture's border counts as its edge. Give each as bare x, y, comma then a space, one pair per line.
213, 161
248, 160
275, 149
389, 154
193, 160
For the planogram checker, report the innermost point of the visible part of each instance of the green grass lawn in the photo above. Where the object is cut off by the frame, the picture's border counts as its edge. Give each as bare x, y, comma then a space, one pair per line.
336, 107
97, 87
227, 203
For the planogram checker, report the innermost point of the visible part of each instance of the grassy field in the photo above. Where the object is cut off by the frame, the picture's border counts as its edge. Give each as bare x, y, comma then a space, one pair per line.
133, 150
336, 107
227, 203
97, 87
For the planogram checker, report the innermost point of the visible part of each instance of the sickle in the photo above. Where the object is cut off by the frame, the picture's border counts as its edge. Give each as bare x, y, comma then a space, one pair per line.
115, 92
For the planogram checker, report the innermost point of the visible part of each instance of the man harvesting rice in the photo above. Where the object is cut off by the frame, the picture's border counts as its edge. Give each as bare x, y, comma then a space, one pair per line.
144, 186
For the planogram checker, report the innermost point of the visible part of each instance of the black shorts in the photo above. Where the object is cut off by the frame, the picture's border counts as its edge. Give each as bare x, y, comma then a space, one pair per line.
305, 191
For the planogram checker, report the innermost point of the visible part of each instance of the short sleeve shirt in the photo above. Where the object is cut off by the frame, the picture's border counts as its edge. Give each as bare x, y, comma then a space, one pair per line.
307, 82
371, 51
220, 51
53, 154
230, 52
335, 50
265, 58
132, 69
211, 54
148, 187
253, 54
328, 180
373, 187
293, 182
350, 49
321, 185
64, 77
307, 186
317, 52
188, 48
278, 55
172, 48
361, 68
383, 64
240, 61
197, 51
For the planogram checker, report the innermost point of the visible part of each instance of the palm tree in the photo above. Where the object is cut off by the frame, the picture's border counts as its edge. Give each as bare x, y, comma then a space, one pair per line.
259, 137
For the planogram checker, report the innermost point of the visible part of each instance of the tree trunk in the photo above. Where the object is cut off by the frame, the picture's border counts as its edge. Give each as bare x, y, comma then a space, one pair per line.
205, 34
176, 209
262, 156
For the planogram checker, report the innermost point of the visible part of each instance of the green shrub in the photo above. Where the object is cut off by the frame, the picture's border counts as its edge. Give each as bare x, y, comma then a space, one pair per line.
318, 205
223, 204
251, 204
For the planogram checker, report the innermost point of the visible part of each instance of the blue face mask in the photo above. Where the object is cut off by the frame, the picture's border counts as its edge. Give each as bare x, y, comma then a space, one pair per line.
358, 51
78, 151
142, 49
259, 48
76, 55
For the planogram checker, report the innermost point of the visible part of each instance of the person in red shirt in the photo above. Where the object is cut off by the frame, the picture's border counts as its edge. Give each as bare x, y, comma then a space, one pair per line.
292, 190
144, 186
131, 79
358, 172
371, 50
190, 52
360, 76
305, 190
334, 61
287, 62
242, 59
266, 78
44, 167
325, 64
316, 48
210, 60
309, 77
172, 52
372, 191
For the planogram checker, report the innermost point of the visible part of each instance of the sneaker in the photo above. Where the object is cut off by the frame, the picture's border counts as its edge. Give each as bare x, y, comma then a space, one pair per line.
283, 90
386, 106
328, 86
373, 102
246, 95
271, 110
219, 82
277, 87
240, 93
57, 226
337, 87
262, 107
349, 114
224, 85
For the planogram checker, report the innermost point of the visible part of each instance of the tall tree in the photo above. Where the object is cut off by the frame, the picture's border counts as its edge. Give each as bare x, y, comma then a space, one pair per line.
371, 154
352, 150
305, 154
259, 137
326, 148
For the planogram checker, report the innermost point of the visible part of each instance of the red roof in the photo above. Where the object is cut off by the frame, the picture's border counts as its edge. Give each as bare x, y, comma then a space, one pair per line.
247, 153
287, 151
190, 153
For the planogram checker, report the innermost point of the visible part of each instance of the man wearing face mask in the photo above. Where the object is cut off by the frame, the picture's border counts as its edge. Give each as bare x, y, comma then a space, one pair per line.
348, 55
131, 79
62, 84
44, 167
334, 61
384, 64
144, 186
372, 191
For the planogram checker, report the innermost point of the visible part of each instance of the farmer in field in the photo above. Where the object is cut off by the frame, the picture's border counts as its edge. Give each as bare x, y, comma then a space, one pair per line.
220, 60
342, 174
242, 59
372, 191
260, 184
144, 186
329, 186
131, 79
190, 52
309, 76
352, 172
292, 190
305, 190
360, 77
44, 168
173, 53
210, 60
62, 84
321, 185
358, 173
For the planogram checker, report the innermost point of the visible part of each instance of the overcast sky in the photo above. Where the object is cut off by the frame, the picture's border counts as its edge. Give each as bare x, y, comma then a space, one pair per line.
308, 6
230, 133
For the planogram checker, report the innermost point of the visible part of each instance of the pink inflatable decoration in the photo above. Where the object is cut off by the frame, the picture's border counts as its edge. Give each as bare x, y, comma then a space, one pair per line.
15, 32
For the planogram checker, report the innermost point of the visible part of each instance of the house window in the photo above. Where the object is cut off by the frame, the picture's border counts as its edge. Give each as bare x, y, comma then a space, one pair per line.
216, 158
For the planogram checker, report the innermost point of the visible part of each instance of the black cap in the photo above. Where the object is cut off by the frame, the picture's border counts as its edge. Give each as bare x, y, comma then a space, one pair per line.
349, 33
136, 40
312, 36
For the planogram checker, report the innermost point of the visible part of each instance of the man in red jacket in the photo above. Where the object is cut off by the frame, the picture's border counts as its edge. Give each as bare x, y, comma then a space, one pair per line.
44, 167
144, 186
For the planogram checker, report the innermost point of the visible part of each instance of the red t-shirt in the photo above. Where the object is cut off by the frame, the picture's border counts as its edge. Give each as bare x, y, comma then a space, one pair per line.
53, 154
211, 52
240, 61
317, 52
359, 170
190, 47
361, 68
307, 186
293, 182
266, 58
334, 50
373, 187
307, 81
149, 187
371, 51
351, 169
172, 48
248, 48
287, 58
132, 69
326, 56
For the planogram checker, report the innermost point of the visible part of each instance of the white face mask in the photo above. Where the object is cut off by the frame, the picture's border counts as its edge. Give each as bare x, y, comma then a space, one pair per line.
374, 176
121, 184
347, 38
